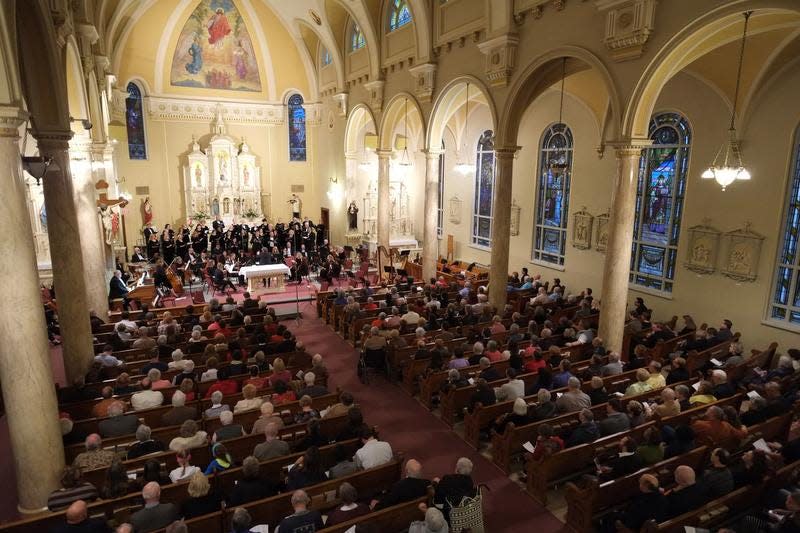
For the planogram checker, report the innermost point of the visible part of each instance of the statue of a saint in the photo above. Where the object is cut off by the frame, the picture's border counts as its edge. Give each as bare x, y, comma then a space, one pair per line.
147, 211
294, 202
352, 216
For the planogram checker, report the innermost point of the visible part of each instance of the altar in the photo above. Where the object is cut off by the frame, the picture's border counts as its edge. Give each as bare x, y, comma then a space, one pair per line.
223, 178
275, 273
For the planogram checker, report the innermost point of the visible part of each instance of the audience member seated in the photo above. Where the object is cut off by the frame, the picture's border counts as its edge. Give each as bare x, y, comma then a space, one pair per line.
73, 488
303, 518
78, 521
616, 419
179, 413
613, 367
718, 478
703, 395
221, 460
272, 446
641, 385
311, 389
511, 390
547, 443
452, 488
636, 413
687, 494
267, 416
117, 483
349, 508
146, 398
625, 462
648, 504
118, 423
185, 469
669, 406
518, 416
249, 401
217, 407
651, 450
202, 499
283, 394
373, 452
307, 411
100, 409
714, 430
585, 432
722, 388
434, 522
307, 470
598, 393
656, 379
678, 371
344, 466
151, 472
95, 456
106, 359
409, 488
346, 402
250, 486
186, 373
228, 430
354, 427
487, 371
751, 469
145, 444
190, 436
678, 441
154, 515
574, 399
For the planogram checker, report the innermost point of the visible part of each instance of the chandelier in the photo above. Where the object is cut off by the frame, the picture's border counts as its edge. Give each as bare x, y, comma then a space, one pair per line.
728, 166
465, 167
558, 163
405, 160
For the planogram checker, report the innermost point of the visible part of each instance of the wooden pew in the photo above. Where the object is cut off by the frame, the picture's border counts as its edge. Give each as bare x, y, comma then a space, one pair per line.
395, 518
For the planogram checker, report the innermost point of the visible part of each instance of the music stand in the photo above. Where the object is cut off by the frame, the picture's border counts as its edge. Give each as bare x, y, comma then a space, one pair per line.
402, 272
405, 253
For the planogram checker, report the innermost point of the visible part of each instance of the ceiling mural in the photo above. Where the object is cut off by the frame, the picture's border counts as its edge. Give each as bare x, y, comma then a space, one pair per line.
214, 50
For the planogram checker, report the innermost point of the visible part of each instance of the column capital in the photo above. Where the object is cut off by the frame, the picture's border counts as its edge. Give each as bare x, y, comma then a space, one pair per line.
506, 151
53, 141
11, 118
629, 147
383, 153
433, 153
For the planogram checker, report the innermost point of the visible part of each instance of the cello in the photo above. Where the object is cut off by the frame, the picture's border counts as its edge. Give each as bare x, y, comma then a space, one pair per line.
174, 279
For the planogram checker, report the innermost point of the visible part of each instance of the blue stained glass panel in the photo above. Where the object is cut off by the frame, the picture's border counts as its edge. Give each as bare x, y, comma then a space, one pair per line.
134, 123
552, 199
400, 14
651, 260
297, 129
357, 40
484, 190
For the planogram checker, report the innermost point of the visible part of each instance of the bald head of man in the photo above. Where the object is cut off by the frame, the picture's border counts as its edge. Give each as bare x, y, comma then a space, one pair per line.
684, 476
77, 512
151, 492
413, 469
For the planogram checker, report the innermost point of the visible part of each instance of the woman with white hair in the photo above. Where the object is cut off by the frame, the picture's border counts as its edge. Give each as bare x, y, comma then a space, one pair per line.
177, 360
452, 488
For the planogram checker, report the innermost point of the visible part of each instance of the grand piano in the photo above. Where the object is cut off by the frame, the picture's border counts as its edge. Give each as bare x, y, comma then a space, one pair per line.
141, 288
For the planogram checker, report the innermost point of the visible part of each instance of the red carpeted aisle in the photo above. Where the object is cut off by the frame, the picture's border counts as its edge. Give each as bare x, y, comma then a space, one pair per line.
415, 431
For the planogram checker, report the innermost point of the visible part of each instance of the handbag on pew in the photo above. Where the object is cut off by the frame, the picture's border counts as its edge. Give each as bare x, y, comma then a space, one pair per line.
467, 515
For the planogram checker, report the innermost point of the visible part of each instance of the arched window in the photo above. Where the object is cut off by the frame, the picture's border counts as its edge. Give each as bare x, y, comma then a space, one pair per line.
552, 199
659, 203
326, 57
357, 39
134, 123
784, 305
399, 15
440, 207
297, 129
484, 191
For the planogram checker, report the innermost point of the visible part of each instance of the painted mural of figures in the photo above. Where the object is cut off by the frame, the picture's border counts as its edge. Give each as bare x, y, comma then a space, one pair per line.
240, 60
196, 52
218, 28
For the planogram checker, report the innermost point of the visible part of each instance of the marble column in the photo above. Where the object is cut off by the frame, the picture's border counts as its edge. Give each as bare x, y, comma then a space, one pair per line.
66, 254
501, 225
620, 239
30, 402
92, 236
430, 244
384, 230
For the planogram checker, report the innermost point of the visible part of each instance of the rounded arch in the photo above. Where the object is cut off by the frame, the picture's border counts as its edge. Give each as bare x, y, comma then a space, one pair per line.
337, 61
370, 36
360, 117
394, 114
288, 94
419, 22
543, 72
76, 90
448, 100
141, 82
41, 63
671, 58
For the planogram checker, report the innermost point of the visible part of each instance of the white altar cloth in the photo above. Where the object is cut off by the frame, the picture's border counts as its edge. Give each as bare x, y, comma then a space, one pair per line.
254, 273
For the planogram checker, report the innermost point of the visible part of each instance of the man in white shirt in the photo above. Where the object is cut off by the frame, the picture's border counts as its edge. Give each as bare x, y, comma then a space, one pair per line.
129, 324
411, 317
373, 452
147, 398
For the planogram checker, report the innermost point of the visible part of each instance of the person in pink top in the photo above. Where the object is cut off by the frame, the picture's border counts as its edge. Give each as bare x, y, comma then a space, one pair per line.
492, 352
497, 326
279, 372
156, 382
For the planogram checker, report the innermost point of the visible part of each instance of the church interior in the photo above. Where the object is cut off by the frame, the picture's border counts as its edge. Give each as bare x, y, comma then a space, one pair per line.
489, 229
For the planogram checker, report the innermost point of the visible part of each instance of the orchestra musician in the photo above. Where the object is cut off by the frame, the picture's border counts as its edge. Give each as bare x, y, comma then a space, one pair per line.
160, 279
118, 289
137, 256
148, 230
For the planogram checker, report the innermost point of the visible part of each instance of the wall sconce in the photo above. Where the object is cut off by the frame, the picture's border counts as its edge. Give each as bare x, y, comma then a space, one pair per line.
36, 166
333, 179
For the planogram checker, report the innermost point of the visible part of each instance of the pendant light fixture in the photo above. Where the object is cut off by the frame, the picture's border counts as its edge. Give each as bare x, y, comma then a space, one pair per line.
728, 166
405, 160
465, 166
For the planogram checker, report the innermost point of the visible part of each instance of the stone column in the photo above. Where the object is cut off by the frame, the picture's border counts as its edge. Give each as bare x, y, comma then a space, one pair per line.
620, 239
430, 244
384, 206
66, 254
92, 236
501, 225
28, 393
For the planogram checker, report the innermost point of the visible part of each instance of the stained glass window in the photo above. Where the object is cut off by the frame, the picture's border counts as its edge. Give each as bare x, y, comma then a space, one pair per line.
659, 202
297, 129
440, 207
552, 199
357, 40
326, 57
134, 123
399, 15
484, 191
785, 301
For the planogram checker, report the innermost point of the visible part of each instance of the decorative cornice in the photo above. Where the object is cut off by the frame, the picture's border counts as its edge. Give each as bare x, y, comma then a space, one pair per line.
501, 58
629, 147
341, 103
11, 118
375, 90
425, 77
164, 108
629, 24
